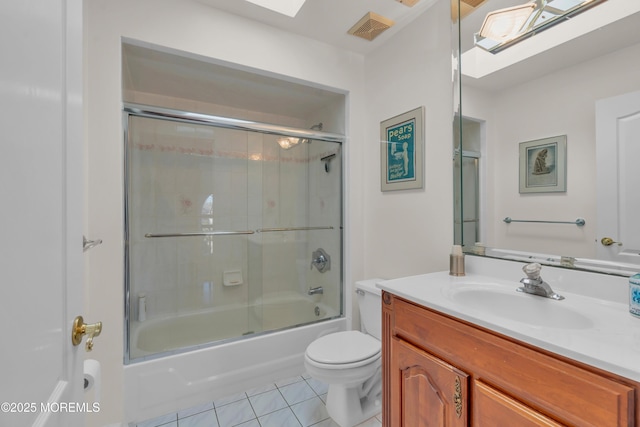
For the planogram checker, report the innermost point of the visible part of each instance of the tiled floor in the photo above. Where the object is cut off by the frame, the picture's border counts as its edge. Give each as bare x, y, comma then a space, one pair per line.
293, 402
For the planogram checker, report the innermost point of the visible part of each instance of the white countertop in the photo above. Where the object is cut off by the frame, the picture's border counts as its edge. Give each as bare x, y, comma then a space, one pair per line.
596, 331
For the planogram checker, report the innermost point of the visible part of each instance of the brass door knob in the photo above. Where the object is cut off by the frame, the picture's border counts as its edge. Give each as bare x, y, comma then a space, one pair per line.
608, 241
80, 328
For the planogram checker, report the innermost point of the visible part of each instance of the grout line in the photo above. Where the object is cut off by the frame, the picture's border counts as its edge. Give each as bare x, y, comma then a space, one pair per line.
215, 412
252, 408
289, 405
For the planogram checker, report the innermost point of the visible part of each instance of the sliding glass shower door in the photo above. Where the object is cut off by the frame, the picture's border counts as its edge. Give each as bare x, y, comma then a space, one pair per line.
224, 231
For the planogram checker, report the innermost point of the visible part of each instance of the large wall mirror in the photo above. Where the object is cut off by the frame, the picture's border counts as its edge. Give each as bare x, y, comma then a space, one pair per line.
547, 136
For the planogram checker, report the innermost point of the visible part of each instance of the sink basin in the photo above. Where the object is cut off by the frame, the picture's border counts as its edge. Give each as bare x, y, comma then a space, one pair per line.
529, 309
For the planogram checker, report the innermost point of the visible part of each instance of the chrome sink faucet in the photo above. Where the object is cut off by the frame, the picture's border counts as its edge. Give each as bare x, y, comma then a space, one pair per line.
533, 283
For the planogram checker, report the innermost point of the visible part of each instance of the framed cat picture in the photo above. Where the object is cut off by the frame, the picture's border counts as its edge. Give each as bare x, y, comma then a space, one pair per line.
543, 165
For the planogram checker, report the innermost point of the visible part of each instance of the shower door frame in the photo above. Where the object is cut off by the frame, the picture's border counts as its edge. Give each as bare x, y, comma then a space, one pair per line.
162, 113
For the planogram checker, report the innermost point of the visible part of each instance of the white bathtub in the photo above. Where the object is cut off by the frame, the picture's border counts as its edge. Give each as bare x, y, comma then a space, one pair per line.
160, 385
184, 331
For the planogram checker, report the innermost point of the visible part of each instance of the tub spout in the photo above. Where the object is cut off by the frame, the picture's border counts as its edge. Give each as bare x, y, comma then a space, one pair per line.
315, 291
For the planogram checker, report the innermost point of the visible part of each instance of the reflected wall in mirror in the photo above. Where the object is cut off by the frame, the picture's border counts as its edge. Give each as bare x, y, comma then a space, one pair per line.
580, 79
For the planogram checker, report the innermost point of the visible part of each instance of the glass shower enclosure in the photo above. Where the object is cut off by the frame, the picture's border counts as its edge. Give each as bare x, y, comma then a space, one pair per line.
228, 235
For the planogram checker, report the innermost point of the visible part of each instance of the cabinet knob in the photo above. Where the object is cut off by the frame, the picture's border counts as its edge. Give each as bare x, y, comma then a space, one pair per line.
386, 298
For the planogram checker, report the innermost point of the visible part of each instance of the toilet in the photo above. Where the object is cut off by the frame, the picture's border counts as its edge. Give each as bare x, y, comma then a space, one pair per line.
350, 362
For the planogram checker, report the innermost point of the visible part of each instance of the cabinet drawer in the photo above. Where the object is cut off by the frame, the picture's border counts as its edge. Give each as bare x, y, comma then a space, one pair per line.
547, 384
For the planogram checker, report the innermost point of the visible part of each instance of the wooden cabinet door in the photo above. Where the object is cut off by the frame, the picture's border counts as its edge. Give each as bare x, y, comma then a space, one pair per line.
492, 408
425, 391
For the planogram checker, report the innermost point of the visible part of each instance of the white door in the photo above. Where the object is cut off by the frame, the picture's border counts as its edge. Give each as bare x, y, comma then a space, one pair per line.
618, 178
40, 212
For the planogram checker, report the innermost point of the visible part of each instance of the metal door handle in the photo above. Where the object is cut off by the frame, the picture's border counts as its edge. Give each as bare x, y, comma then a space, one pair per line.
608, 241
80, 329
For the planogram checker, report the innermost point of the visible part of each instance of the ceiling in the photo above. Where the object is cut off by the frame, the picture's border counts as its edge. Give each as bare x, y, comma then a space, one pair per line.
329, 20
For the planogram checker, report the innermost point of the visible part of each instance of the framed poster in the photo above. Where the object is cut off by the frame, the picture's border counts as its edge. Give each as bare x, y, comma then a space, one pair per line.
543, 165
401, 151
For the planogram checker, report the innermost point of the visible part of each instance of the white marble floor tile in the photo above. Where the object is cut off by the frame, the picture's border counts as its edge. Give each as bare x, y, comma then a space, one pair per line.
318, 386
297, 392
261, 389
310, 411
235, 413
252, 423
371, 422
195, 410
229, 399
282, 418
326, 423
202, 419
158, 421
268, 402
286, 381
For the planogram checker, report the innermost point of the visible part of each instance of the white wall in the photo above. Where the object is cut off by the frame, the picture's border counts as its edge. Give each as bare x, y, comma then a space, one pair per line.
560, 103
388, 235
410, 232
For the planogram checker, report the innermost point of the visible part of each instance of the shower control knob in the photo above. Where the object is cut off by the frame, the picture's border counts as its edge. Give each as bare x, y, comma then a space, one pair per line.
320, 260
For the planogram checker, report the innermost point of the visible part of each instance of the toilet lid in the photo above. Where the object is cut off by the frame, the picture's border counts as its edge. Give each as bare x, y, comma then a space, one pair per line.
343, 347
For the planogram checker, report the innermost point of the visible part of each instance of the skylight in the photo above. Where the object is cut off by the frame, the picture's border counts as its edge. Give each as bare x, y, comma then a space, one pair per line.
285, 7
505, 27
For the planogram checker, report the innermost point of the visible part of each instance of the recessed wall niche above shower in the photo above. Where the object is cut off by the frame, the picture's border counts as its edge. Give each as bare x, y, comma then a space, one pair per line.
221, 221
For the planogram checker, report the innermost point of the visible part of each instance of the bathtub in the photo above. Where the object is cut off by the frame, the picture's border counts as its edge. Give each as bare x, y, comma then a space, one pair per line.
184, 332
173, 370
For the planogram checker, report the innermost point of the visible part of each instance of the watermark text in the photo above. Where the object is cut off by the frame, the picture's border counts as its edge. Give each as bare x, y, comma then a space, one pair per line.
55, 407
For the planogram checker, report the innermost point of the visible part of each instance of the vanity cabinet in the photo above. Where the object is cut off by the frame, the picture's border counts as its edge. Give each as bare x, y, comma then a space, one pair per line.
442, 371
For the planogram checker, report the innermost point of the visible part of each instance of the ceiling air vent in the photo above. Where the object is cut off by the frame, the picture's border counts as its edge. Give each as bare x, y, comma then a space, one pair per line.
371, 26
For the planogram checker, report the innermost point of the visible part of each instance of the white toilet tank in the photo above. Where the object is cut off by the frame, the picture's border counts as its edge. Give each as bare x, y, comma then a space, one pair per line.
370, 304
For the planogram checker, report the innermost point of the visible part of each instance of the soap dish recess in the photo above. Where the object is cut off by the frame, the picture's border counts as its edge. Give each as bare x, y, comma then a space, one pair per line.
232, 277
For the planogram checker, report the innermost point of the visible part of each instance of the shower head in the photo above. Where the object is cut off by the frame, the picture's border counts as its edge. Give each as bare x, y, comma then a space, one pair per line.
288, 142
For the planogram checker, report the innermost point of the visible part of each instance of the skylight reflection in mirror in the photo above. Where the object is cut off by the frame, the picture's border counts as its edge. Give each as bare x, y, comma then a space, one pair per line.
505, 27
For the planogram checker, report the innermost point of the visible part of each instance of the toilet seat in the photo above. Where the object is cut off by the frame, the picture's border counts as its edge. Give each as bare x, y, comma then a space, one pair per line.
343, 350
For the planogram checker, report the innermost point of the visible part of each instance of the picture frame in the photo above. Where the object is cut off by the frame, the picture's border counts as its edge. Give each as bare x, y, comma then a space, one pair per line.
402, 151
543, 165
